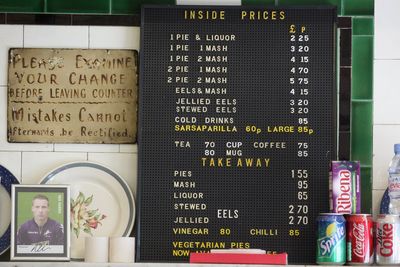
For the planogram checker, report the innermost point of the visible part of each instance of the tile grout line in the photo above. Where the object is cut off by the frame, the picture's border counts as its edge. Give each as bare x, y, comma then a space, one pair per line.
387, 59
23, 35
23, 45
21, 166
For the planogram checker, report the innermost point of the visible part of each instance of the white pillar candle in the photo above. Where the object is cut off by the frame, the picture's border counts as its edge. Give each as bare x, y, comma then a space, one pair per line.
96, 249
122, 249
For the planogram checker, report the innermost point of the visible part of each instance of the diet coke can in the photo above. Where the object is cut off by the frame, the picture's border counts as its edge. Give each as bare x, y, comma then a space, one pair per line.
388, 239
360, 239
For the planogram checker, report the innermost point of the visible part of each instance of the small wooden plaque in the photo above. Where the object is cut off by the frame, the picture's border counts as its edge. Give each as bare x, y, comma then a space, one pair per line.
72, 96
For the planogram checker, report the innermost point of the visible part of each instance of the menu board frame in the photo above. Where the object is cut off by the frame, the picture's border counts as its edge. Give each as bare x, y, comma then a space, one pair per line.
144, 216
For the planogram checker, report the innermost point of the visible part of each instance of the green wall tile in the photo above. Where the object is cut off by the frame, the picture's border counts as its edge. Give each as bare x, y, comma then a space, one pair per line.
79, 6
22, 5
311, 2
361, 132
366, 190
259, 2
362, 61
138, 3
358, 7
124, 7
363, 26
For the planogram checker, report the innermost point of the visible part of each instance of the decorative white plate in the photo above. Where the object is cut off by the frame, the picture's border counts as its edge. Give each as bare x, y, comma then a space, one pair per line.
6, 180
102, 203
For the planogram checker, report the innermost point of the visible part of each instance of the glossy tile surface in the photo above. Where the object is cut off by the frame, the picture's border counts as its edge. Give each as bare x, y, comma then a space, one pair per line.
22, 5
259, 2
14, 38
358, 7
56, 36
345, 47
337, 3
363, 26
362, 63
78, 6
386, 92
366, 190
138, 3
387, 37
361, 132
345, 99
123, 37
385, 136
123, 7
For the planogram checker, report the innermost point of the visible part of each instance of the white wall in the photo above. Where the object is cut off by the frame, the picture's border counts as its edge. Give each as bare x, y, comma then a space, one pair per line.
386, 116
30, 162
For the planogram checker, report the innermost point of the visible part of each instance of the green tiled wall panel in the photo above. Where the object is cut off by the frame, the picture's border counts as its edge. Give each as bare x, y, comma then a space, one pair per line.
366, 190
22, 6
124, 7
78, 6
362, 62
358, 7
312, 2
361, 132
259, 2
363, 26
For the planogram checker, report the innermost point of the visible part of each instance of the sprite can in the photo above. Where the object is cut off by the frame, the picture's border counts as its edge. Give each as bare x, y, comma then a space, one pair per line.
331, 239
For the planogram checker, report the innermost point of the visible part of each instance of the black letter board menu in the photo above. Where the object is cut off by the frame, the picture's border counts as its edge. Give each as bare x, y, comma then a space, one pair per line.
237, 128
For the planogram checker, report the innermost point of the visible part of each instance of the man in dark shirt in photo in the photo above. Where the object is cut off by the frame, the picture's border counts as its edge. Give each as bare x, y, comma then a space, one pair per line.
40, 230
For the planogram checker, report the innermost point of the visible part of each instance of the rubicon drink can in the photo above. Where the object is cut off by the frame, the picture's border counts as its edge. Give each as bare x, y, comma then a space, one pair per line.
360, 239
344, 187
331, 239
387, 239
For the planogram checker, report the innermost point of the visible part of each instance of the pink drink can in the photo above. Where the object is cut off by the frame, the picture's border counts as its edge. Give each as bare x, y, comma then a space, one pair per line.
344, 187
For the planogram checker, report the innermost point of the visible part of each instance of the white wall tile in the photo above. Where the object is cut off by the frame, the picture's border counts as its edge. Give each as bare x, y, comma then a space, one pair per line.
56, 36
125, 164
11, 36
376, 201
86, 147
4, 145
385, 136
387, 33
386, 91
12, 162
129, 148
113, 37
35, 165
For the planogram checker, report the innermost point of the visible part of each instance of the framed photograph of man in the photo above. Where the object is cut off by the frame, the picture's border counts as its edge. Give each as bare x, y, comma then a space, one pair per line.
40, 222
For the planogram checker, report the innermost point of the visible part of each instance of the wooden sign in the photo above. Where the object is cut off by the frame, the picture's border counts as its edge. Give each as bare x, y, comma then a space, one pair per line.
240, 158
72, 96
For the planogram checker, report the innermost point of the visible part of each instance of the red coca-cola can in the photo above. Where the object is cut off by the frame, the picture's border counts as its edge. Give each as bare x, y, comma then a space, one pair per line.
360, 239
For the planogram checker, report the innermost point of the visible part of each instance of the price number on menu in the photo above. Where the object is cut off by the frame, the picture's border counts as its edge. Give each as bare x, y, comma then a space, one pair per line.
298, 214
299, 70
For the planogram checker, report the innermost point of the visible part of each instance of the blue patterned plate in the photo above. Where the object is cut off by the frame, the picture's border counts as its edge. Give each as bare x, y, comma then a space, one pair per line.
6, 180
384, 209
